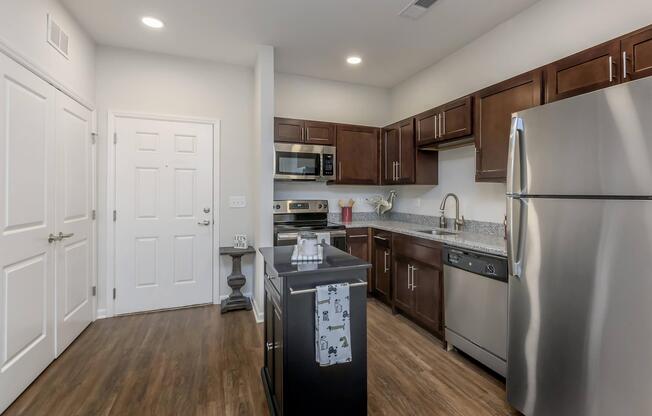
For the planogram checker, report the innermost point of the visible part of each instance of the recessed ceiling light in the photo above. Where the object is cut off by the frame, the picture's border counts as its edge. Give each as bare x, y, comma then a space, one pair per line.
152, 22
354, 60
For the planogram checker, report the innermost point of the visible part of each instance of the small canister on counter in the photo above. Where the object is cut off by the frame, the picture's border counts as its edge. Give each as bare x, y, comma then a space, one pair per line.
347, 210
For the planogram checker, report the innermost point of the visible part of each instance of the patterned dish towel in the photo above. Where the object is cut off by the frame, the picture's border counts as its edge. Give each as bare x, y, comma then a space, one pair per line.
332, 324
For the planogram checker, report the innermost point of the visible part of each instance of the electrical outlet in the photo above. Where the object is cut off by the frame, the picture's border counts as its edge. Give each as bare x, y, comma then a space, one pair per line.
237, 202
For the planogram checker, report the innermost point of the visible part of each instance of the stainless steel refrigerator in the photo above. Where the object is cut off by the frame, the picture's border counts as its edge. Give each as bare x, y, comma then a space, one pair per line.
579, 206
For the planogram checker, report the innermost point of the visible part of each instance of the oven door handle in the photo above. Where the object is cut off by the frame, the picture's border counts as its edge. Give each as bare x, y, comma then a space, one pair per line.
286, 236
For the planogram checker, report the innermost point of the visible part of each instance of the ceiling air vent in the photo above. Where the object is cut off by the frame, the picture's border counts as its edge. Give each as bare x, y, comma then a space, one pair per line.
57, 37
416, 8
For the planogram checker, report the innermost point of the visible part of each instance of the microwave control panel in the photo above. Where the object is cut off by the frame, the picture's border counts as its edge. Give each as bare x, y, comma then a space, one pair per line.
328, 169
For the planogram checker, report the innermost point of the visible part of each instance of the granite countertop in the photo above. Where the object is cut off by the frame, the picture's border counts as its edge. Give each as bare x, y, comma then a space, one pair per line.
279, 259
485, 243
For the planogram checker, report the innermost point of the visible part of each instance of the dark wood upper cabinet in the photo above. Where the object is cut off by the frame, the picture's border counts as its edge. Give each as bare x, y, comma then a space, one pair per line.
637, 55
493, 114
288, 130
589, 70
456, 119
319, 132
426, 123
398, 153
389, 154
358, 151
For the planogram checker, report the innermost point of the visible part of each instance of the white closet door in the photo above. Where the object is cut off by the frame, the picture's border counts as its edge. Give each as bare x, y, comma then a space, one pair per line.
164, 183
27, 174
73, 219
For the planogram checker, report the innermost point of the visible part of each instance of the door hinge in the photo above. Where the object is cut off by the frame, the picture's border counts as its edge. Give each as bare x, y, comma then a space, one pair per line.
94, 290
93, 137
115, 138
114, 292
93, 214
115, 215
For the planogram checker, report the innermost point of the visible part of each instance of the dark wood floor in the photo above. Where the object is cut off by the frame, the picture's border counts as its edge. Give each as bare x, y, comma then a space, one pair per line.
199, 362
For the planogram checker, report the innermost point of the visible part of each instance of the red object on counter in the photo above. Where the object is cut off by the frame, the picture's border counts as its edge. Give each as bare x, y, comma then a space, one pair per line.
347, 214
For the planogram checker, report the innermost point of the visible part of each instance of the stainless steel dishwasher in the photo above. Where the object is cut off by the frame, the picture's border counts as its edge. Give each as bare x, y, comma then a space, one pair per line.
475, 286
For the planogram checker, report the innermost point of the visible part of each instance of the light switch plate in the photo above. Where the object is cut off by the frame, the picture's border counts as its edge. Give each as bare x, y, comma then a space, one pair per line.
237, 202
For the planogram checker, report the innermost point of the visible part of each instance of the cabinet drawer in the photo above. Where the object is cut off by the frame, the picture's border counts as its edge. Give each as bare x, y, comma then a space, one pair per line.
424, 251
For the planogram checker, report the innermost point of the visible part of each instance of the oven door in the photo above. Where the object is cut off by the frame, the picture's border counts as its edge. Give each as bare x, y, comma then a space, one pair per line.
297, 162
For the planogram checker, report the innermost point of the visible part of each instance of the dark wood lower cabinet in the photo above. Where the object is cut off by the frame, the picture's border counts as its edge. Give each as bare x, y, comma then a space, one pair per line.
417, 276
357, 243
382, 265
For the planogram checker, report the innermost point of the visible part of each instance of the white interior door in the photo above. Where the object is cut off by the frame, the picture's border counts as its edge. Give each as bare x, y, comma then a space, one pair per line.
26, 218
164, 225
73, 220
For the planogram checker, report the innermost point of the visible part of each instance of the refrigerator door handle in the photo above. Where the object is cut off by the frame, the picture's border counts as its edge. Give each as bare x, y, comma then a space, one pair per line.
516, 219
515, 167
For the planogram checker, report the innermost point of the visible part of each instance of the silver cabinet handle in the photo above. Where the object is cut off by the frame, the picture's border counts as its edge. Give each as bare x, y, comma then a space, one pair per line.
409, 277
205, 222
385, 258
358, 236
624, 64
611, 68
443, 132
377, 237
339, 169
436, 132
440, 132
64, 236
398, 171
52, 238
307, 133
414, 269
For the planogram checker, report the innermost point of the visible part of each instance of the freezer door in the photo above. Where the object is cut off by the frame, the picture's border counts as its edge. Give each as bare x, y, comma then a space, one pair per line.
580, 312
594, 144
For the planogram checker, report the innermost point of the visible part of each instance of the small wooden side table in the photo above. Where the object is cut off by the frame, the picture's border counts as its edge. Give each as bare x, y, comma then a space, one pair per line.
236, 280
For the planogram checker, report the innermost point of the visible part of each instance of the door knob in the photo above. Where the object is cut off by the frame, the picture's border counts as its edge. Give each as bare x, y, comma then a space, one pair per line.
205, 222
63, 236
52, 238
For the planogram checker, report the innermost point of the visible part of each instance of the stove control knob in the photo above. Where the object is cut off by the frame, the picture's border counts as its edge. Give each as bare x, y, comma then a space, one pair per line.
320, 206
277, 206
491, 269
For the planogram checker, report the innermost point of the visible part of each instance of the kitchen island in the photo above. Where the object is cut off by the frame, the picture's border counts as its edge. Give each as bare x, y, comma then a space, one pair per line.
294, 382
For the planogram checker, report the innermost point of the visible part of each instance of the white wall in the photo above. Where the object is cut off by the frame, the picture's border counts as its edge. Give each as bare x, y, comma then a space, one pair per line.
317, 99
161, 84
547, 31
23, 27
263, 150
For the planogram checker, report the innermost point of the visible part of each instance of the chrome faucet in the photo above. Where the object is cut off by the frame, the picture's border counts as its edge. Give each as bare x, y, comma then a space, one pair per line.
459, 222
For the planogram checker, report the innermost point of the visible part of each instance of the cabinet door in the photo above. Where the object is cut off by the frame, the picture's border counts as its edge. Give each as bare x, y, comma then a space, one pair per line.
493, 115
428, 301
406, 151
381, 272
426, 124
269, 339
390, 152
456, 119
583, 72
637, 55
403, 295
288, 130
357, 241
278, 360
358, 150
318, 132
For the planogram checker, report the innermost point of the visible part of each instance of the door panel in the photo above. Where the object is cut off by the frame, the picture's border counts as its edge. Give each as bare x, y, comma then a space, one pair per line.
493, 113
164, 183
403, 294
382, 258
288, 130
428, 295
426, 126
456, 119
73, 217
406, 151
611, 143
320, 133
391, 143
578, 340
27, 175
357, 154
637, 55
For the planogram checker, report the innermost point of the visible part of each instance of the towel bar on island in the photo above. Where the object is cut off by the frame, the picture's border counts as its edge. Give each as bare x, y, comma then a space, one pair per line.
303, 291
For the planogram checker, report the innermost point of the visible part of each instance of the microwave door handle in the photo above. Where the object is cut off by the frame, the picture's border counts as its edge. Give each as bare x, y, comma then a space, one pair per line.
515, 165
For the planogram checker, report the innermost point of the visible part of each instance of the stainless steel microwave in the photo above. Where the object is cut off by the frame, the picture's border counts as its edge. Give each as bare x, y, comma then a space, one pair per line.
303, 162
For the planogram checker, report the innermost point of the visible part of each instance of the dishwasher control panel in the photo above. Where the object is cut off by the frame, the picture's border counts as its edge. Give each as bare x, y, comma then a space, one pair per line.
474, 262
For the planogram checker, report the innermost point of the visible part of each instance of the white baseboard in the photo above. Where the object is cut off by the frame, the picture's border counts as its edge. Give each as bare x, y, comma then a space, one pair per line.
259, 314
101, 314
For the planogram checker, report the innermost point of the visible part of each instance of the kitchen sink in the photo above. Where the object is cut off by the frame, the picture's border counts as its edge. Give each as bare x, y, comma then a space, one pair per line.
438, 232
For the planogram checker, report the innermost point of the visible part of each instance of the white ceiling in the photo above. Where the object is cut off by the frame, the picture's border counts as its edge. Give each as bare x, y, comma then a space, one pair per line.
312, 37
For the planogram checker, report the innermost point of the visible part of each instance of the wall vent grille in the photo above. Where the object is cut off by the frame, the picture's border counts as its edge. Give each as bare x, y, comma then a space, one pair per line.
57, 38
416, 8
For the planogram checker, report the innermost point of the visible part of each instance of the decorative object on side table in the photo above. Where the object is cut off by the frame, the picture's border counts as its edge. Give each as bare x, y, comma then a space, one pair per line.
382, 205
236, 280
240, 241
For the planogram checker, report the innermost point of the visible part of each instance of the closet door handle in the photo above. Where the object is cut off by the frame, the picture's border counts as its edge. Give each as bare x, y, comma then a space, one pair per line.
52, 238
63, 236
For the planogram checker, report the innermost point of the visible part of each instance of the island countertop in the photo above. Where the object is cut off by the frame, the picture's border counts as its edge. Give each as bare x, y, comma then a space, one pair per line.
279, 260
